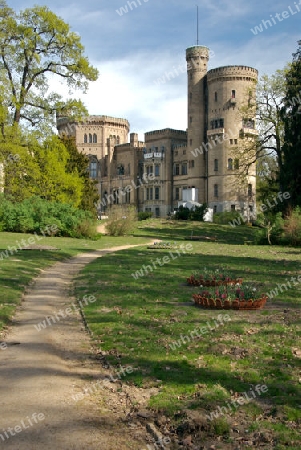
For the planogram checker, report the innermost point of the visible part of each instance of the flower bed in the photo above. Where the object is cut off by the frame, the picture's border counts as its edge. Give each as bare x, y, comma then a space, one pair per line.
163, 246
214, 277
239, 296
229, 304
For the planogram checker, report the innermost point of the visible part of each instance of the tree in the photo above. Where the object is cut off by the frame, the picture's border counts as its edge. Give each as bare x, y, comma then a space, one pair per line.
39, 169
35, 46
291, 113
79, 162
265, 108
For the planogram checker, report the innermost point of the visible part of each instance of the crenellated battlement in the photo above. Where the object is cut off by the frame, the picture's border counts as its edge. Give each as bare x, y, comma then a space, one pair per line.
94, 120
166, 132
243, 72
197, 51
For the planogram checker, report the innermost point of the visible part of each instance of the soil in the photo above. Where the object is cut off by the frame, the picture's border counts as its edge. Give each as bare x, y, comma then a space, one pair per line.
43, 371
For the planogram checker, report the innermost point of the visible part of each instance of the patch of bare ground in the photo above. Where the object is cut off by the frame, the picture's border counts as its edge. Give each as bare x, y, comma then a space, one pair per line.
43, 368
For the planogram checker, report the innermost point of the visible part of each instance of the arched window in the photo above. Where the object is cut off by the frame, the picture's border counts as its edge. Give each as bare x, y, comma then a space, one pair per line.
230, 164
90, 138
85, 138
94, 138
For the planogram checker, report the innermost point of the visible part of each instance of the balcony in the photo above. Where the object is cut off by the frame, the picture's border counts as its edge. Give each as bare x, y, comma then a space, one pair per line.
153, 155
246, 131
215, 131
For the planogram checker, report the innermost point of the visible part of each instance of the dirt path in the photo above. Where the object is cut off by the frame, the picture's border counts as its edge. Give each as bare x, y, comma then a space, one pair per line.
42, 370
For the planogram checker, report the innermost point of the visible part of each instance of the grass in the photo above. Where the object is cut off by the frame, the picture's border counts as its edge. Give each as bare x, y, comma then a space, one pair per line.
146, 324
17, 271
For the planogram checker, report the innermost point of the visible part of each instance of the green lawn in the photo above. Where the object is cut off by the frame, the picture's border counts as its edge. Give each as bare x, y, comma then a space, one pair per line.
145, 324
17, 270
148, 323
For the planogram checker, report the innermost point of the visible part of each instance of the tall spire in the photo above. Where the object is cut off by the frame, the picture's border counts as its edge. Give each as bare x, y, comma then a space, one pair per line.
197, 25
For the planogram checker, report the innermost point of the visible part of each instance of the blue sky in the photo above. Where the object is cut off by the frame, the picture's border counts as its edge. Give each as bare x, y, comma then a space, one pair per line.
134, 50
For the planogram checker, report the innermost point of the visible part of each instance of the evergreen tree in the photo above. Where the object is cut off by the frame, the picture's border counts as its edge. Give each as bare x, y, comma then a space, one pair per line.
290, 177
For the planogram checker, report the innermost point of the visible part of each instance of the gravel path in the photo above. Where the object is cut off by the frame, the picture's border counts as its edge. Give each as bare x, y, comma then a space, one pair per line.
42, 370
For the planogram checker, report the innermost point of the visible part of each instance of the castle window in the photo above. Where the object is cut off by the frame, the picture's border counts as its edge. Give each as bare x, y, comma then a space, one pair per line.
230, 164
250, 190
149, 170
93, 169
184, 169
177, 194
232, 208
231, 141
235, 141
216, 165
184, 152
190, 119
236, 164
214, 208
191, 164
157, 193
216, 190
233, 94
90, 138
249, 123
215, 96
177, 169
157, 170
149, 193
94, 138
221, 123
85, 139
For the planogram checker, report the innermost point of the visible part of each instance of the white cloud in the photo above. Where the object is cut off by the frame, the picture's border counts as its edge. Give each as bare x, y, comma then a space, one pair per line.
126, 88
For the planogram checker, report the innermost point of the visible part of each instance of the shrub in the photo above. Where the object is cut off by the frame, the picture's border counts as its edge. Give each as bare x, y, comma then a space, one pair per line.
272, 227
228, 217
292, 227
144, 215
121, 220
182, 213
35, 214
198, 213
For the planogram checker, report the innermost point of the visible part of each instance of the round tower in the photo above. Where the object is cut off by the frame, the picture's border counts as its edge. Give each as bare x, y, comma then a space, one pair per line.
231, 129
197, 58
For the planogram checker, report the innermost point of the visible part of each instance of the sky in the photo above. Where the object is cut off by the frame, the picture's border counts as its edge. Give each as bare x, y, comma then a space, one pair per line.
139, 48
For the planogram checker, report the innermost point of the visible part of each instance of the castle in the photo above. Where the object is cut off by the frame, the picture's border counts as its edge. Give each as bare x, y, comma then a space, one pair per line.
174, 167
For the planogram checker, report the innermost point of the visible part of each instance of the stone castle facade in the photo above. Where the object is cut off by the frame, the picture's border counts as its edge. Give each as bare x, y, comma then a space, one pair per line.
200, 165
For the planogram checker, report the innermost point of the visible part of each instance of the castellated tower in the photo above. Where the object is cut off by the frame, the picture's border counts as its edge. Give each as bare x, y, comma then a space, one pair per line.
197, 58
92, 134
231, 129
